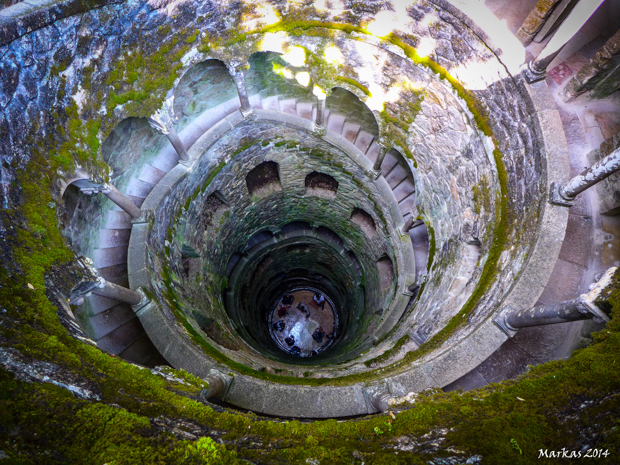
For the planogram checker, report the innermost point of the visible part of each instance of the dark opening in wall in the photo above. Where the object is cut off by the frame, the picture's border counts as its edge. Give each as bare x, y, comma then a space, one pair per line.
344, 102
264, 179
329, 235
364, 221
321, 185
386, 272
258, 237
295, 226
191, 260
300, 248
232, 262
71, 200
212, 205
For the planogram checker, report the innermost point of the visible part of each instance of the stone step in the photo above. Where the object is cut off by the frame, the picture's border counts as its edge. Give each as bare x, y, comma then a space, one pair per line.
373, 151
138, 188
117, 219
363, 141
113, 237
407, 204
350, 131
421, 261
166, 159
404, 189
335, 122
143, 352
110, 256
256, 102
99, 304
304, 110
206, 120
151, 174
271, 103
137, 201
109, 320
289, 106
397, 175
116, 274
389, 162
419, 237
420, 243
122, 337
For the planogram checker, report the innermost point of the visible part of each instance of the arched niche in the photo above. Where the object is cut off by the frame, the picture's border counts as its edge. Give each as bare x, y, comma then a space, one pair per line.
205, 85
264, 179
344, 102
132, 144
270, 75
321, 185
364, 221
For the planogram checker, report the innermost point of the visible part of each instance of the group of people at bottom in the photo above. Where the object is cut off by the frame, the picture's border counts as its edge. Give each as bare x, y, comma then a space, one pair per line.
280, 325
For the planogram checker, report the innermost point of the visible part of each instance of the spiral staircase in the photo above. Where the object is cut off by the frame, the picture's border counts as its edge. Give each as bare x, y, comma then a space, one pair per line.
113, 325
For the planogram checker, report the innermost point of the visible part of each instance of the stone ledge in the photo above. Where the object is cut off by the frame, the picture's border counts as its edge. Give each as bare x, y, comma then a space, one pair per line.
137, 258
298, 401
164, 187
173, 345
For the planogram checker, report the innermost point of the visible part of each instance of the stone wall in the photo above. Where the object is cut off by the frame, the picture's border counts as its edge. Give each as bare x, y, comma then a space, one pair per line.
600, 77
607, 190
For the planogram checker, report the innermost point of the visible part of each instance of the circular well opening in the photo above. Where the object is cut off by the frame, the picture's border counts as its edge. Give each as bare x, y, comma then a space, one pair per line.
303, 322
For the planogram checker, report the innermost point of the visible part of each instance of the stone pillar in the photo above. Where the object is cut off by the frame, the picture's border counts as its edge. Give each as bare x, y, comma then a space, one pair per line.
565, 194
408, 225
601, 74
90, 187
237, 74
581, 308
321, 96
378, 397
320, 113
104, 288
572, 24
219, 383
178, 145
379, 161
162, 121
121, 200
411, 224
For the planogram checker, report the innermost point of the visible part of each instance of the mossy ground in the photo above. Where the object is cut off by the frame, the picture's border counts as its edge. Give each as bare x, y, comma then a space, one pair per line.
563, 404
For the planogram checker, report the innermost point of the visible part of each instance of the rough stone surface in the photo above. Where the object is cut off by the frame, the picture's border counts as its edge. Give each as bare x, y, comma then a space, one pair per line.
607, 189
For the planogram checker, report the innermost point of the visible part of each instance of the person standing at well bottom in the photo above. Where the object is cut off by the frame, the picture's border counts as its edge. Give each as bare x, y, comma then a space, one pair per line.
319, 300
